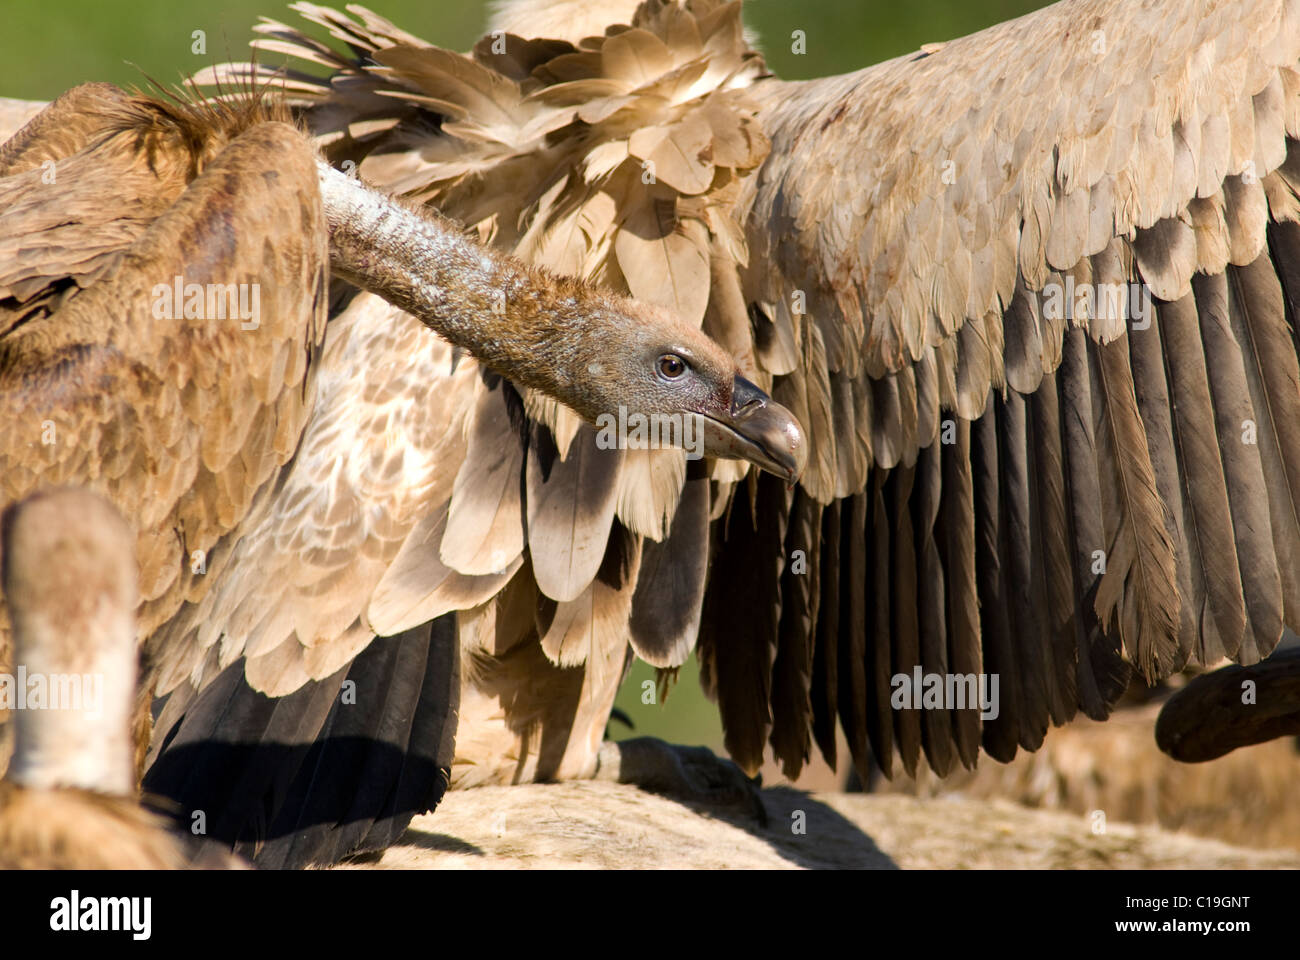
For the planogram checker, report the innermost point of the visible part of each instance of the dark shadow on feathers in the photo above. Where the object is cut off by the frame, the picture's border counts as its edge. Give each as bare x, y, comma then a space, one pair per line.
330, 771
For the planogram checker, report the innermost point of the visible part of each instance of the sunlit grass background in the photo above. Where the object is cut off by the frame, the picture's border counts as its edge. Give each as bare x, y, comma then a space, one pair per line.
47, 46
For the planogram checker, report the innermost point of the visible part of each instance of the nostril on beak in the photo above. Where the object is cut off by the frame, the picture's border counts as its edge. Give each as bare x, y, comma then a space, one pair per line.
746, 398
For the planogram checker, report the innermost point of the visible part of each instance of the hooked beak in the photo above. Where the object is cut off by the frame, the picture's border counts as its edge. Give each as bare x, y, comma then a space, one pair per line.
760, 430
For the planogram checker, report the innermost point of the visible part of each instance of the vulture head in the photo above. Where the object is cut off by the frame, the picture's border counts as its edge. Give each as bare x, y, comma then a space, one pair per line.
652, 364
614, 360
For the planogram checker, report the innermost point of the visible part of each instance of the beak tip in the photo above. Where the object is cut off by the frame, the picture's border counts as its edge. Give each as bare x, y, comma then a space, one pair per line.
762, 431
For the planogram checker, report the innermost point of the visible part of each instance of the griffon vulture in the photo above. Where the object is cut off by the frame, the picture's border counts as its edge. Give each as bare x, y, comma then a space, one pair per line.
124, 213
1031, 293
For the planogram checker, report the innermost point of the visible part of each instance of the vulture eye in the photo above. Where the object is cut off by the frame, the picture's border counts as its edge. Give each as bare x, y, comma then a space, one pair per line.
671, 366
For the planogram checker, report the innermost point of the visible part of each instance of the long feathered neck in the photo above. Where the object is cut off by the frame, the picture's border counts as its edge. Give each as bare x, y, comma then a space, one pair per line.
513, 318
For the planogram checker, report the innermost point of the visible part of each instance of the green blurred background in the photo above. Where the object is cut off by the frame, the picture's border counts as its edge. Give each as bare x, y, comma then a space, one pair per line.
46, 47
49, 45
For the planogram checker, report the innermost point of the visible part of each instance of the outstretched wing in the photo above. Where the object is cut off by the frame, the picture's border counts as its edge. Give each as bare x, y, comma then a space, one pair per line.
379, 452
1017, 468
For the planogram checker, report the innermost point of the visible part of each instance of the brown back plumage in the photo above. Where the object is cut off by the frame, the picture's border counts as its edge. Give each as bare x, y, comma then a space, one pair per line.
179, 420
